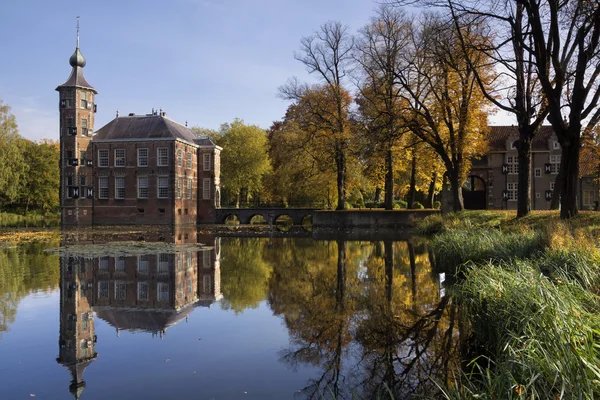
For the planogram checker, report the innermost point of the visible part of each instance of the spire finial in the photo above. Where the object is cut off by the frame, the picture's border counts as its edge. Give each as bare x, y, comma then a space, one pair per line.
77, 31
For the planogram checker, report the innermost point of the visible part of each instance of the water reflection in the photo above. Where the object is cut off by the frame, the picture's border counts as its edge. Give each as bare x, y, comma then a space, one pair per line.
147, 292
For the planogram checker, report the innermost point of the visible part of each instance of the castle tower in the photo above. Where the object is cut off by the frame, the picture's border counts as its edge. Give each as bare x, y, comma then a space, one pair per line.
77, 339
77, 108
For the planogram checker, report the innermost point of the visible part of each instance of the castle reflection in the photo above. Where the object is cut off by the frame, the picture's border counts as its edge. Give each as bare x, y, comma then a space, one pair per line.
146, 292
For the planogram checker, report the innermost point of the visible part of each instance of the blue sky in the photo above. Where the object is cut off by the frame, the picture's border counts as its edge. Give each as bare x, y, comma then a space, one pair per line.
202, 61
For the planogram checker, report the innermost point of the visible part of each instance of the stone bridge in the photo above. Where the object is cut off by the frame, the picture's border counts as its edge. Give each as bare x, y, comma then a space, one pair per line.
270, 215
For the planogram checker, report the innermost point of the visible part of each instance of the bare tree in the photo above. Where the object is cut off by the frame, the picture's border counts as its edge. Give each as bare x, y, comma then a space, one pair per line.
328, 54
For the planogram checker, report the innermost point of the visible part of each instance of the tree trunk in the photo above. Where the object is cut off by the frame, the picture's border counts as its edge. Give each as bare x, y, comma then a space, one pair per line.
341, 179
377, 195
389, 269
389, 180
238, 197
413, 183
558, 182
524, 179
570, 157
431, 191
341, 276
456, 189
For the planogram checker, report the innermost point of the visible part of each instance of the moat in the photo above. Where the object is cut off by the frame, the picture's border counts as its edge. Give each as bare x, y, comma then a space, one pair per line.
234, 317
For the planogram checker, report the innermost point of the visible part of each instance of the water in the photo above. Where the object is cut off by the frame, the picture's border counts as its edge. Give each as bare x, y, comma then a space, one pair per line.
247, 318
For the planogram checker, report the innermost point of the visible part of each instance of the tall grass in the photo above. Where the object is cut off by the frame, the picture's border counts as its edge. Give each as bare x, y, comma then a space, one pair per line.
10, 220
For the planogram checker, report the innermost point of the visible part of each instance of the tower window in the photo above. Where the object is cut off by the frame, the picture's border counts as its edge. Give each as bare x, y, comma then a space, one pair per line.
180, 158
206, 189
163, 157
84, 127
189, 188
68, 98
83, 100
103, 158
142, 187
189, 160
119, 187
179, 187
206, 159
142, 155
103, 187
119, 157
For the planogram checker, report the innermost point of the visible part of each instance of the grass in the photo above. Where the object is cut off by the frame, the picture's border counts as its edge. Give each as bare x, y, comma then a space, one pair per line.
530, 291
30, 220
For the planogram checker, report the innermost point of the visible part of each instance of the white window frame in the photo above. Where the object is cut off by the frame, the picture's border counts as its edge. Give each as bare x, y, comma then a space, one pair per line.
143, 264
163, 263
103, 289
513, 164
206, 161
162, 160
120, 187
120, 290
554, 163
189, 188
162, 291
142, 189
206, 189
189, 160
512, 188
119, 159
120, 264
103, 158
83, 101
143, 289
179, 158
162, 183
179, 187
588, 197
141, 157
538, 172
103, 186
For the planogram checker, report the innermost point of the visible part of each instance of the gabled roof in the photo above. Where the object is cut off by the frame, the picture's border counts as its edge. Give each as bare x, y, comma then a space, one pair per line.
498, 135
138, 127
76, 79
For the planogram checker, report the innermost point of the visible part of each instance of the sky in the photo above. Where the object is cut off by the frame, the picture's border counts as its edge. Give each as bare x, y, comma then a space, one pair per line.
201, 61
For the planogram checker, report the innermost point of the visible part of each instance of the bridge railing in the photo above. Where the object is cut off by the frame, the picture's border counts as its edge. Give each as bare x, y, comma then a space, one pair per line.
319, 205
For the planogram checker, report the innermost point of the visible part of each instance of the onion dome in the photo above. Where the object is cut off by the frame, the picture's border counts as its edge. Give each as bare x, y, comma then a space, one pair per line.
77, 59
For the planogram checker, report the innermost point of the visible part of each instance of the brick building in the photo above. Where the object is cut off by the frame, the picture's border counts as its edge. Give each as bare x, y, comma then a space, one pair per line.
137, 169
493, 180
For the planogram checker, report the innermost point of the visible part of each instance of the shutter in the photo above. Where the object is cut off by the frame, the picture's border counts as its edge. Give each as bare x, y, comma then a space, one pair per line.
548, 168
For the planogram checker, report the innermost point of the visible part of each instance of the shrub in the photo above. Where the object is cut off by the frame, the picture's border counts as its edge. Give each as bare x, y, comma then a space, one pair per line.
418, 205
437, 204
399, 204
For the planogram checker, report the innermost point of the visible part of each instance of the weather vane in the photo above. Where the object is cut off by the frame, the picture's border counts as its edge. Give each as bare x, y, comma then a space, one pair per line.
78, 31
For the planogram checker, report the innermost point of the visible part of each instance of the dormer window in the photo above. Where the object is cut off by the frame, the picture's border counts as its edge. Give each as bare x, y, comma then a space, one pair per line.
513, 145
555, 145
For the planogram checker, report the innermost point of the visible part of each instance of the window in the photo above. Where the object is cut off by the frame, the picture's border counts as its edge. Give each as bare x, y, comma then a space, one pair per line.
103, 289
179, 158
83, 158
103, 187
120, 264
179, 289
537, 195
512, 190
206, 188
555, 145
103, 264
189, 160
207, 284
68, 157
179, 184
119, 157
588, 197
83, 100
206, 258
163, 156
84, 321
538, 172
554, 164
103, 158
552, 185
142, 187
119, 187
162, 291
513, 164
189, 188
142, 156
120, 290
163, 264
206, 161
163, 187
84, 126
142, 291
83, 184
189, 286
142, 264
513, 145
84, 349
70, 123
68, 97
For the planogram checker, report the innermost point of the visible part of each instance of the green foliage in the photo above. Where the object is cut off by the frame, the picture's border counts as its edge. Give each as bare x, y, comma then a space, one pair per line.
12, 165
244, 159
400, 204
418, 205
29, 220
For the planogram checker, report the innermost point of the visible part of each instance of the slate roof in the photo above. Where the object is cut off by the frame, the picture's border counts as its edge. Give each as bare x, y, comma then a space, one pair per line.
144, 127
498, 135
204, 141
77, 80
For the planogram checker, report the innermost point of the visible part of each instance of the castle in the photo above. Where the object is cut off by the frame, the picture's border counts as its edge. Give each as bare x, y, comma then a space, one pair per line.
137, 169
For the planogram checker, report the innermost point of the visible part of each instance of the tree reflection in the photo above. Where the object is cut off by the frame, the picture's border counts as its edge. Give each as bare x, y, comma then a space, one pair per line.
370, 317
24, 269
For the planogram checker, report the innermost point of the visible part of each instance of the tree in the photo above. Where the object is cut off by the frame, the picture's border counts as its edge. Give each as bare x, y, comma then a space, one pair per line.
40, 185
12, 165
378, 48
244, 160
327, 54
442, 103
566, 50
